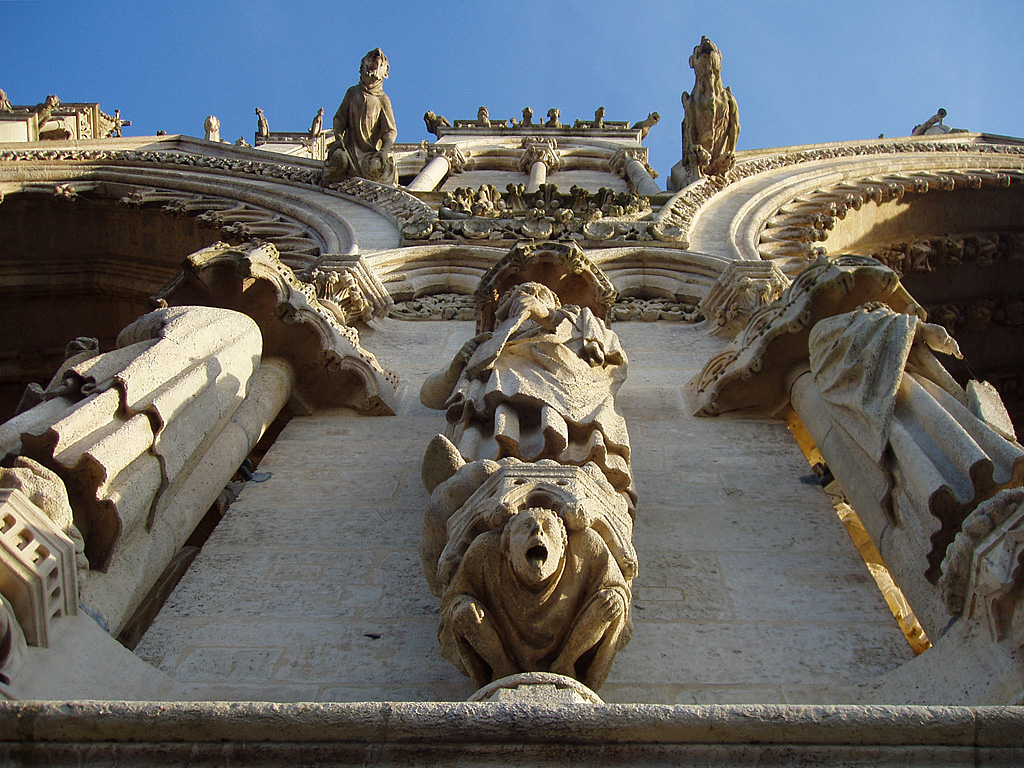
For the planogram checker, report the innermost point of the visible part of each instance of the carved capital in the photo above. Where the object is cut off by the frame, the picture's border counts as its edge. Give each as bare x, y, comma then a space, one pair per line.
539, 151
348, 287
743, 288
983, 570
456, 159
622, 157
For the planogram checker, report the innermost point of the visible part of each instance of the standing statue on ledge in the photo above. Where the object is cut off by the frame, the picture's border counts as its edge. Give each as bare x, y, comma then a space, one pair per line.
318, 124
365, 128
262, 126
711, 124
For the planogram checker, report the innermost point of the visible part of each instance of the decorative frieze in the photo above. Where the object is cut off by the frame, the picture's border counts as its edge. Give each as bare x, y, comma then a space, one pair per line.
676, 217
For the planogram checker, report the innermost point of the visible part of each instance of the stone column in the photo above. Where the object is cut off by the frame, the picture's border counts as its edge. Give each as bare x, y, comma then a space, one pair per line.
632, 164
903, 547
443, 158
538, 176
539, 158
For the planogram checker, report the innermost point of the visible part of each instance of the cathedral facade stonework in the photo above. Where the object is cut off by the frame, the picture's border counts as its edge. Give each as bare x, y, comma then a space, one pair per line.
489, 449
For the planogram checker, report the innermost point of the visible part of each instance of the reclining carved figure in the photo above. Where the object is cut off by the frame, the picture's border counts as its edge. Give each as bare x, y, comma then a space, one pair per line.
541, 386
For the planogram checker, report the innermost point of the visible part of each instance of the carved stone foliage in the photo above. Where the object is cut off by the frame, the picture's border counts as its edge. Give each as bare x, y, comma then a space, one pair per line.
527, 540
399, 206
751, 373
547, 214
129, 424
743, 288
623, 156
331, 366
274, 169
236, 220
711, 124
454, 306
807, 219
456, 158
923, 254
674, 221
349, 288
983, 571
440, 306
534, 573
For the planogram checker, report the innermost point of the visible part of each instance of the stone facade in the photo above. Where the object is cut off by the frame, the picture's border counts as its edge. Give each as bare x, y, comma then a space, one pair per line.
224, 383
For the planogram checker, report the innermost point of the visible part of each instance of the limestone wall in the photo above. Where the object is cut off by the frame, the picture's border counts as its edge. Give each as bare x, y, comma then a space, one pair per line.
311, 588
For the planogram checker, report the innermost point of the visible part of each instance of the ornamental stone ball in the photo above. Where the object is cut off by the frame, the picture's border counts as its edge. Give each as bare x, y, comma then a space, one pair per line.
364, 128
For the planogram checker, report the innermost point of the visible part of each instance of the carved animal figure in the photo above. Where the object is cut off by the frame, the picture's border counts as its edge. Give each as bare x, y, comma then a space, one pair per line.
711, 124
483, 119
647, 123
553, 115
212, 126
318, 123
434, 122
262, 126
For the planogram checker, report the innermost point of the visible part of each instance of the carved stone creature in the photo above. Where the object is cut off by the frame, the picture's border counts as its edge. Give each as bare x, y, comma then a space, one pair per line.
5, 105
212, 126
541, 386
318, 123
527, 117
711, 124
262, 126
647, 123
553, 115
435, 121
483, 119
534, 597
365, 128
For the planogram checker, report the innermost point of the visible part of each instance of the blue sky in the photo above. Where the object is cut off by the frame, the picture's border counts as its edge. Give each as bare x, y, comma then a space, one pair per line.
802, 72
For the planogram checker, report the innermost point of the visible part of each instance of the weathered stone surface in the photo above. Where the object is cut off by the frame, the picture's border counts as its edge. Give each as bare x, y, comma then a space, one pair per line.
365, 127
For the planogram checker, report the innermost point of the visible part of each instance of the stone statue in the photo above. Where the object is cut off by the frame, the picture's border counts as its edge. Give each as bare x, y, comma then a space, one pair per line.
553, 115
711, 124
598, 118
646, 124
435, 121
318, 124
365, 128
262, 126
527, 117
212, 126
541, 386
902, 419
5, 105
535, 597
483, 119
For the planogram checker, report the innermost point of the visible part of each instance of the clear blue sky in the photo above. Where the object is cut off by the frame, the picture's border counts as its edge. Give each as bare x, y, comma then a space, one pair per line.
802, 72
